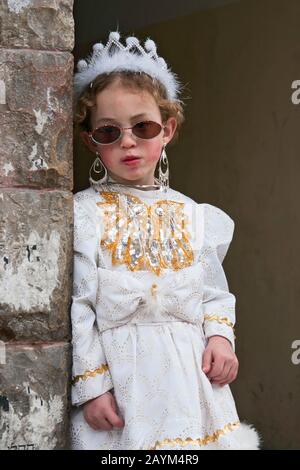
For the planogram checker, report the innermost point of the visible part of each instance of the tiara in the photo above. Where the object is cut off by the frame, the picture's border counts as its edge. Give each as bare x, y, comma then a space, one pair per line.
116, 57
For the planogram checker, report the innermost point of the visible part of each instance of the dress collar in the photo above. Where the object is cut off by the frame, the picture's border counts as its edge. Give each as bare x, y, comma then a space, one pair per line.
139, 192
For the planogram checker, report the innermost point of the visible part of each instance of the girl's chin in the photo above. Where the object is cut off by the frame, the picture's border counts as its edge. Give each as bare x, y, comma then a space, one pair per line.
131, 173
131, 177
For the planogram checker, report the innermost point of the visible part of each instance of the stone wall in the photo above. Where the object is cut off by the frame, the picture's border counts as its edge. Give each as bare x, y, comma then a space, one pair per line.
36, 222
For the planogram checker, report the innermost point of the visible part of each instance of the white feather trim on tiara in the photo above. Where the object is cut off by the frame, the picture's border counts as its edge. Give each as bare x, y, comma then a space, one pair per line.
116, 57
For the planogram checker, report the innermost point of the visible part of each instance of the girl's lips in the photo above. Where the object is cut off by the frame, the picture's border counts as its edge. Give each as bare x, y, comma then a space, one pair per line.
131, 161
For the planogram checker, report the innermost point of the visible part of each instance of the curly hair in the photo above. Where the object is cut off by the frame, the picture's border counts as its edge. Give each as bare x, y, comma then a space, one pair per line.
133, 80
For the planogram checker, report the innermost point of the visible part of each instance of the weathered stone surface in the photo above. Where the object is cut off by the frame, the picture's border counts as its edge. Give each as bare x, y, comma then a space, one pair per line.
34, 389
36, 264
36, 119
37, 24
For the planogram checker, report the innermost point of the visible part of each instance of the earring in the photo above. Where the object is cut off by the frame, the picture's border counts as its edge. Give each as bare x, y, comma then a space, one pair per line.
163, 177
98, 166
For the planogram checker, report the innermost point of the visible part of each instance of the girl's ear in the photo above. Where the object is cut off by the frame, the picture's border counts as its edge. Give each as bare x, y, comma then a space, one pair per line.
88, 142
170, 129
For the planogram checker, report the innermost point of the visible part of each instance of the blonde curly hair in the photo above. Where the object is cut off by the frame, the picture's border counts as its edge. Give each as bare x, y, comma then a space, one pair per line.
133, 80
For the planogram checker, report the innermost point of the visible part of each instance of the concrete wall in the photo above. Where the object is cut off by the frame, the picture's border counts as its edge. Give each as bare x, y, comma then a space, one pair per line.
36, 222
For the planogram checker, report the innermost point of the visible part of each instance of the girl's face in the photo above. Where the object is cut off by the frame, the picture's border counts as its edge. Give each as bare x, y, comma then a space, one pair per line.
125, 107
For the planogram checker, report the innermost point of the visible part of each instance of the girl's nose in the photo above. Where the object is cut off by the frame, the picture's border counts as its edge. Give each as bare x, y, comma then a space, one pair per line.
127, 138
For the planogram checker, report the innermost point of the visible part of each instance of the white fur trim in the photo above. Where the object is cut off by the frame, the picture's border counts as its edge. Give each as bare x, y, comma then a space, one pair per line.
247, 436
116, 57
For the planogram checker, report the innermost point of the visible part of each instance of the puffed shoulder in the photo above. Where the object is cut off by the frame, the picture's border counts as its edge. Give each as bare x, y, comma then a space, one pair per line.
85, 196
218, 229
87, 223
85, 200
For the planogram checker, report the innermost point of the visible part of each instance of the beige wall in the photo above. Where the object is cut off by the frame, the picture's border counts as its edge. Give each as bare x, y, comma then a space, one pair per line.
239, 150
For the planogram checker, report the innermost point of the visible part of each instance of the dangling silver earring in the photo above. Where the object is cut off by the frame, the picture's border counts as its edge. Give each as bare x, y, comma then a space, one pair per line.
98, 166
163, 177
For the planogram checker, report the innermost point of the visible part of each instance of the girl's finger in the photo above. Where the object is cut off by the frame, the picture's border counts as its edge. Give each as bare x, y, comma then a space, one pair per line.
207, 360
113, 418
98, 424
217, 369
223, 376
231, 376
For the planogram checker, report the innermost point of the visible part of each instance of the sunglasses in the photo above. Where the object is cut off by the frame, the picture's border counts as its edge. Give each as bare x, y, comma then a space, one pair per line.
109, 134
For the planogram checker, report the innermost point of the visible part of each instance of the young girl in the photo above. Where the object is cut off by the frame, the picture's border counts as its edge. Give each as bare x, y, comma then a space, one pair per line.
152, 317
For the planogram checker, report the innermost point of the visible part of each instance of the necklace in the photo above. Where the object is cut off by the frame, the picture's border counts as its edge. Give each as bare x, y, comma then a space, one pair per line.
144, 187
137, 186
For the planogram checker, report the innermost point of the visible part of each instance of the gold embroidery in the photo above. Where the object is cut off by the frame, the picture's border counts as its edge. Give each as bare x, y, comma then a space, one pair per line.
90, 373
198, 442
219, 320
138, 235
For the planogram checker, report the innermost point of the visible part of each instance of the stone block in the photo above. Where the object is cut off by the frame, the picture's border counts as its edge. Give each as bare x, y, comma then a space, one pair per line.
37, 24
36, 264
36, 119
34, 396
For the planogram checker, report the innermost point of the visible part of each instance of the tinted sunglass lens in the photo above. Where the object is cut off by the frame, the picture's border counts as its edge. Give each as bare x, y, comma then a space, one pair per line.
147, 129
106, 134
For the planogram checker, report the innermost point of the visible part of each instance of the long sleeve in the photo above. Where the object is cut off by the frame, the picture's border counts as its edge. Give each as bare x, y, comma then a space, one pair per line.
90, 372
218, 302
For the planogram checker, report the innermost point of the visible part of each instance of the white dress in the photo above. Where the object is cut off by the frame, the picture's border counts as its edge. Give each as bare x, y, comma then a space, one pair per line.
149, 290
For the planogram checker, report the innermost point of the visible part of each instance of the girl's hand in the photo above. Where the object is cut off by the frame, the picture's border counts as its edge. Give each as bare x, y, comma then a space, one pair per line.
219, 362
102, 412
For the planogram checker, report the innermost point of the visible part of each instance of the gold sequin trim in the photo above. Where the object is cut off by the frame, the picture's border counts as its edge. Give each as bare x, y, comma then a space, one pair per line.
145, 237
219, 320
90, 373
197, 442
